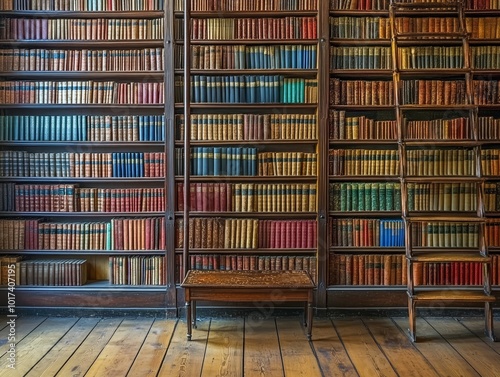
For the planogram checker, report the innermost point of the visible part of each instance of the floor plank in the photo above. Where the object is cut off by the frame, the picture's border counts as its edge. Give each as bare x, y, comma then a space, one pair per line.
121, 350
52, 362
476, 325
258, 360
332, 356
148, 361
444, 358
398, 349
24, 325
81, 361
480, 356
185, 358
362, 349
224, 354
36, 344
298, 356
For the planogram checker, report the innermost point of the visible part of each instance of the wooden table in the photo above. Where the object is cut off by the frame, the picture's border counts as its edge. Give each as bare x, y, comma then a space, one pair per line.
248, 286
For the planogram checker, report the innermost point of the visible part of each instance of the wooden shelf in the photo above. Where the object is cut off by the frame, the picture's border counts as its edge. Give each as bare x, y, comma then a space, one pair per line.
451, 256
157, 76
465, 295
247, 252
66, 252
70, 44
83, 214
50, 14
259, 215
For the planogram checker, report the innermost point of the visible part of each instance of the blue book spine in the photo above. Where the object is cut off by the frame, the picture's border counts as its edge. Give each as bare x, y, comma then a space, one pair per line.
142, 165
217, 161
203, 89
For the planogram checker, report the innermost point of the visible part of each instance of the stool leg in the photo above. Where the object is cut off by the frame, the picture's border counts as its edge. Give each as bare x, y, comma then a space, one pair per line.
193, 307
488, 321
309, 320
411, 319
188, 319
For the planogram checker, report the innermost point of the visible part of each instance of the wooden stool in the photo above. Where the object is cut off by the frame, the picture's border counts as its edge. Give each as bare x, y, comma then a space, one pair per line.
248, 286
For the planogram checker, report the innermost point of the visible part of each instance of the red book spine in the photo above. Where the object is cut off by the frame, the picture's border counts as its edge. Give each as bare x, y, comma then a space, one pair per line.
288, 235
282, 241
149, 235
204, 197
217, 196
210, 196
272, 239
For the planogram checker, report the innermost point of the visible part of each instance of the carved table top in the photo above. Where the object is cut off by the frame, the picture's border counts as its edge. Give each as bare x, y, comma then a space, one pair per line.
247, 279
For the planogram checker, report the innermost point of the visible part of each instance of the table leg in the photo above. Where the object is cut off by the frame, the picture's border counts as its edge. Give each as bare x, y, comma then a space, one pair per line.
188, 319
309, 320
305, 314
193, 308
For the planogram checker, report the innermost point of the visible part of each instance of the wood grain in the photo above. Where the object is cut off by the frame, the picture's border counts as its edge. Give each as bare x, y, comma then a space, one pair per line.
150, 357
332, 356
445, 359
36, 344
297, 353
480, 356
398, 349
185, 358
118, 355
83, 358
362, 349
53, 361
258, 360
24, 326
224, 354
476, 325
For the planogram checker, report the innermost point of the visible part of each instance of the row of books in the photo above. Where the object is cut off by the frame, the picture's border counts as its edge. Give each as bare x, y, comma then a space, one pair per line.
492, 233
364, 196
486, 91
488, 128
440, 162
483, 27
485, 57
367, 269
363, 162
490, 162
137, 270
426, 25
427, 57
8, 268
361, 92
84, 60
253, 263
433, 92
81, 92
247, 5
366, 232
253, 89
116, 234
71, 29
228, 127
248, 197
375, 269
263, 28
359, 4
83, 5
430, 197
70, 164
254, 57
51, 272
235, 161
445, 234
347, 27
217, 233
491, 196
439, 129
82, 128
360, 57
71, 198
342, 127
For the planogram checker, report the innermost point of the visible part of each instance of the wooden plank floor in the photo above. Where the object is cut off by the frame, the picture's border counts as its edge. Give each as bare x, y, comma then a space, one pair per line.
277, 347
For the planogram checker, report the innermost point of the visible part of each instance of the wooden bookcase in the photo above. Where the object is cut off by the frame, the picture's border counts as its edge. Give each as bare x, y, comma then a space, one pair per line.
356, 113
248, 196
86, 129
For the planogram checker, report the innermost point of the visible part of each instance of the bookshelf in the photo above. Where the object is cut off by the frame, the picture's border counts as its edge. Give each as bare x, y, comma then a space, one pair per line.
247, 198
442, 164
85, 136
313, 80
365, 229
